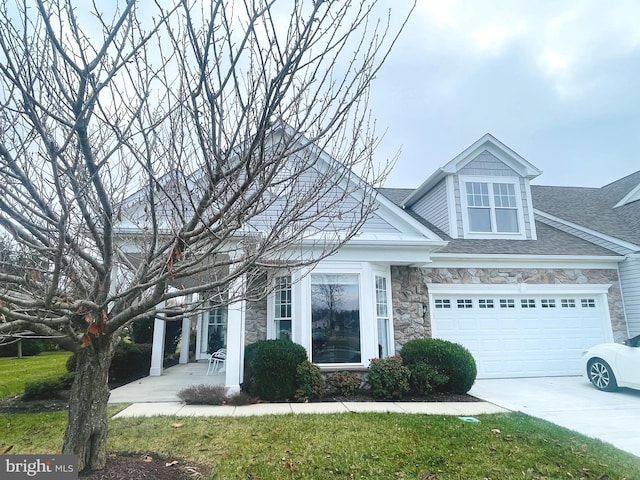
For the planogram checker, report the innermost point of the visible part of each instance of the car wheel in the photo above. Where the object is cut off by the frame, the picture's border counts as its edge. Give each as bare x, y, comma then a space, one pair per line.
601, 375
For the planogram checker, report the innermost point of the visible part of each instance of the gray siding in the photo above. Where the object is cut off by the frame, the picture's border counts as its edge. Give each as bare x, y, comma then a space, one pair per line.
630, 282
433, 207
489, 165
527, 211
340, 211
456, 192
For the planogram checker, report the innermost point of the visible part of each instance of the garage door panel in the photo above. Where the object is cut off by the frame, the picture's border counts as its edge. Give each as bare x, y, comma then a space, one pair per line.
517, 342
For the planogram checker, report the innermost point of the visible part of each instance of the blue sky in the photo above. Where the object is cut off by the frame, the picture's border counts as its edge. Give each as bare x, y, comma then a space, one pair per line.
557, 81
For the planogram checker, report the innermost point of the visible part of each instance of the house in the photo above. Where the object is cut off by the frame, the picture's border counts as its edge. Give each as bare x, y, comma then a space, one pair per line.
525, 276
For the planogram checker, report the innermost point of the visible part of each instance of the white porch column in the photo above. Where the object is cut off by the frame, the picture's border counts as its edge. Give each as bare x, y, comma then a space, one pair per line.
186, 335
157, 351
235, 339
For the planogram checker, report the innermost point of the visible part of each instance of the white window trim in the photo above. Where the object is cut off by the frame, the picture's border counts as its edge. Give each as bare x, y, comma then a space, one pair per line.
463, 180
271, 304
384, 272
301, 311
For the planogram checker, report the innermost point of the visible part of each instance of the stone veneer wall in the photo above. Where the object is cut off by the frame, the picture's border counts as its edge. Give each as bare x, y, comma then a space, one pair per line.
410, 294
255, 321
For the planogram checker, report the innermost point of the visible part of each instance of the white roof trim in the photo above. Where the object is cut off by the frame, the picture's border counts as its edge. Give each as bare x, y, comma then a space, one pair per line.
518, 289
457, 260
595, 233
632, 196
486, 142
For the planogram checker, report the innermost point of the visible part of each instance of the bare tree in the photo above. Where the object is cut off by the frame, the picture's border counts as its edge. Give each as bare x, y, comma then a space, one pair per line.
149, 153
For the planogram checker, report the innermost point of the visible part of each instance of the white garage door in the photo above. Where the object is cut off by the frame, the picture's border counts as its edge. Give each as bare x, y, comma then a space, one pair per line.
522, 335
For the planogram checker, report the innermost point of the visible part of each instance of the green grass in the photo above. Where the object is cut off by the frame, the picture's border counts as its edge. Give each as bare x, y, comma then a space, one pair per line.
350, 446
15, 372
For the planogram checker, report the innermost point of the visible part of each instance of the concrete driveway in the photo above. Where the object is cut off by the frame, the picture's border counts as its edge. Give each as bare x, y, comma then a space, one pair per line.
573, 403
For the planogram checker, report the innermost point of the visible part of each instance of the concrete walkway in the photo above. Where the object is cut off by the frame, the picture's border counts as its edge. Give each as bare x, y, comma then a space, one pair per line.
153, 396
178, 409
165, 388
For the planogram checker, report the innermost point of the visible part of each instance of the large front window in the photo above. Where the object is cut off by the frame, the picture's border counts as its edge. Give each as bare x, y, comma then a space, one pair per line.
492, 207
335, 318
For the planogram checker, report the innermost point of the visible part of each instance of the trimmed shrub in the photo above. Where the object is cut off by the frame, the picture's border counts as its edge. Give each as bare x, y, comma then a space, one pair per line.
270, 369
204, 395
425, 379
388, 378
240, 399
47, 388
344, 383
310, 381
447, 358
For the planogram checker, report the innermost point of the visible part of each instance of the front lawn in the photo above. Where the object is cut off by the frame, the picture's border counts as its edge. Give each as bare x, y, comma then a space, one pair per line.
367, 445
15, 372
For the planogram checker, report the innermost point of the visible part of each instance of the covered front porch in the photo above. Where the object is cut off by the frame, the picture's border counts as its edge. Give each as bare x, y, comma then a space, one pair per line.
165, 388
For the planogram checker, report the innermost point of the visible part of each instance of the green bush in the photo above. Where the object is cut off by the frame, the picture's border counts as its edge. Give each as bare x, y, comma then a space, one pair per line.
425, 379
388, 378
130, 361
310, 382
270, 369
30, 347
344, 383
48, 388
447, 358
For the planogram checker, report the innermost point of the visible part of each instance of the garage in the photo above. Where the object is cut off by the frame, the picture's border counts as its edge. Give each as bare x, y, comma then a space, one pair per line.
522, 331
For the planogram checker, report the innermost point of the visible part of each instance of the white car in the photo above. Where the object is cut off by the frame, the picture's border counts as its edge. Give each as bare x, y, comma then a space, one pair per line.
612, 365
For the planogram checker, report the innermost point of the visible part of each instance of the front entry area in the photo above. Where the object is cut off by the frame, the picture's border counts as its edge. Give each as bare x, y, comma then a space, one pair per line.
522, 335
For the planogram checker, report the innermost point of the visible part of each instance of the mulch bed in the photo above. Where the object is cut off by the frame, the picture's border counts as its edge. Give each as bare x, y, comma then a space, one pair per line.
126, 466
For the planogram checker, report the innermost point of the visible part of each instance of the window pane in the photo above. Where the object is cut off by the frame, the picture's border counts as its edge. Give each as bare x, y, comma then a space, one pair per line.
504, 195
506, 220
479, 219
284, 329
383, 337
282, 307
217, 329
382, 314
477, 194
335, 317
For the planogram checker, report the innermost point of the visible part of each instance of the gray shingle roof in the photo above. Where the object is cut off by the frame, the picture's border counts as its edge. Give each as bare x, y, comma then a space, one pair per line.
550, 241
396, 195
593, 208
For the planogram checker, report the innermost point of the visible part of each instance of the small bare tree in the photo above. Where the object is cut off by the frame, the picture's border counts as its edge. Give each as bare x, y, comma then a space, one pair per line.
151, 152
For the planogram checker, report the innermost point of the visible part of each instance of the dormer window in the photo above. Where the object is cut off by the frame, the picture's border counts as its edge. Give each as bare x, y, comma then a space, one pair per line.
491, 209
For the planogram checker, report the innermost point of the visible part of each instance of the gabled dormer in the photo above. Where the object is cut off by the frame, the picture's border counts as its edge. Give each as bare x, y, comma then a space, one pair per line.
483, 193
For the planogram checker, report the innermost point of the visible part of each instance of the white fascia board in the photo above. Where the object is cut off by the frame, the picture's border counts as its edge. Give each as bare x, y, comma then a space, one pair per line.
389, 255
518, 289
595, 233
457, 260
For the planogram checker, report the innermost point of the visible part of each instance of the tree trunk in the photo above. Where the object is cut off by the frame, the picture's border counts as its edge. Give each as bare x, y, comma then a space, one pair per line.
86, 433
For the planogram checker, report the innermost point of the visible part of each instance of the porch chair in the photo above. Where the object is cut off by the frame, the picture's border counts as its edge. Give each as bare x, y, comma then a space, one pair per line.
217, 361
